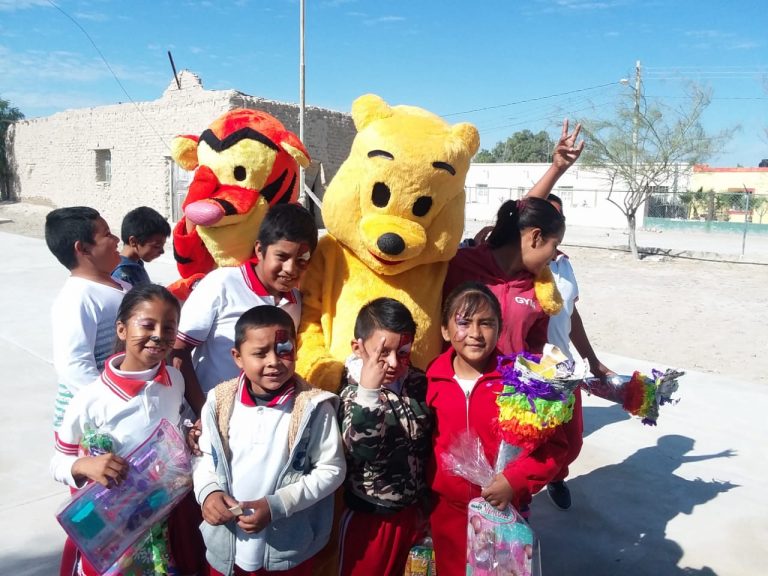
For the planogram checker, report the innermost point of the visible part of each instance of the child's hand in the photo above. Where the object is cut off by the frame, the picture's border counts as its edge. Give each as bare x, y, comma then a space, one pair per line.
375, 367
498, 493
108, 469
258, 519
193, 434
216, 508
567, 151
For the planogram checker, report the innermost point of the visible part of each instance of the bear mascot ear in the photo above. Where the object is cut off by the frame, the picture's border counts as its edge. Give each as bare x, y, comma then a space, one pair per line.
184, 151
368, 108
468, 135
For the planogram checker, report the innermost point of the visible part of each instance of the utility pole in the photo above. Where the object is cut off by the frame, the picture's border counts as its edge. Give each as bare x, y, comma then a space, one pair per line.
636, 118
302, 195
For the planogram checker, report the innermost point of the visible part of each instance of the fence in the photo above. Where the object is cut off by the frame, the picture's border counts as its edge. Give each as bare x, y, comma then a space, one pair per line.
723, 223
737, 207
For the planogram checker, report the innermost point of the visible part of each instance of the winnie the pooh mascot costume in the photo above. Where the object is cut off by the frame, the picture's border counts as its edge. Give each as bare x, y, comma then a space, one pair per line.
246, 161
395, 214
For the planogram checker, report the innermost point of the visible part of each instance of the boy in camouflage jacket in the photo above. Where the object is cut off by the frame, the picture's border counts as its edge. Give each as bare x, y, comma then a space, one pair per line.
386, 431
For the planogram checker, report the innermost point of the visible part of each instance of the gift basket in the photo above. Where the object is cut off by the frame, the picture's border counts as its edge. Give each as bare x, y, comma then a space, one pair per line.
498, 541
106, 522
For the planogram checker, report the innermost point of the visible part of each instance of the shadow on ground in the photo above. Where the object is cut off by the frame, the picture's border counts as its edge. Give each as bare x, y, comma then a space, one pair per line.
620, 513
46, 564
595, 417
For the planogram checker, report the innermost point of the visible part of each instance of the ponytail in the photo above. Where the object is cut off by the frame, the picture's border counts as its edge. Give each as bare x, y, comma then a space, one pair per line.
514, 216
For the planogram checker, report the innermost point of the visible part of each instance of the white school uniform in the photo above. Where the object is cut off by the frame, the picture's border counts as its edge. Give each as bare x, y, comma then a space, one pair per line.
559, 329
209, 316
126, 405
83, 331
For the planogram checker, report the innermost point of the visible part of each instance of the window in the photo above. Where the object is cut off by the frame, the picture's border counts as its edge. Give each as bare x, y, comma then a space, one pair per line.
566, 195
104, 166
482, 193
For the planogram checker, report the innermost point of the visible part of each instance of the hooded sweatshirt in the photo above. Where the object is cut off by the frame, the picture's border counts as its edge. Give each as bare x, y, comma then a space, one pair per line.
524, 323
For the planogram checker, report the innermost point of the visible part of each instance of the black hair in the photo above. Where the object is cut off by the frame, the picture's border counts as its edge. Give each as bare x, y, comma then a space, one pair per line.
145, 293
384, 314
136, 296
290, 222
142, 223
466, 299
514, 216
259, 317
64, 227
557, 200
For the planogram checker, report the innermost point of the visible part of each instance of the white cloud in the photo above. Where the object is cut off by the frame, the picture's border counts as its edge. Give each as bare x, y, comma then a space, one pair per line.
337, 3
12, 5
746, 45
91, 16
709, 34
588, 4
38, 67
384, 20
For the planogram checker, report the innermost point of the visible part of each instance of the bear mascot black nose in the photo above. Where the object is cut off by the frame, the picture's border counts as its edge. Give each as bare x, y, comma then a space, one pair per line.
391, 244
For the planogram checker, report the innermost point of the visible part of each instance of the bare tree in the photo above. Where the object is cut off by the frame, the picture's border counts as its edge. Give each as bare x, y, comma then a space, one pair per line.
642, 147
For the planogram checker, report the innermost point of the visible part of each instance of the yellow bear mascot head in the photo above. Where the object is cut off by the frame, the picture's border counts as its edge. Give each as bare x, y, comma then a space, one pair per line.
398, 200
395, 214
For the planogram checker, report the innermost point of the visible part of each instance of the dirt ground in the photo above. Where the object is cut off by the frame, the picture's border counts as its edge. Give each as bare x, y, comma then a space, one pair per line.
699, 315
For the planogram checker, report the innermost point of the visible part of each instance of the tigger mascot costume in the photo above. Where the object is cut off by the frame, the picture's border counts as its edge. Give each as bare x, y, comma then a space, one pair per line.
246, 161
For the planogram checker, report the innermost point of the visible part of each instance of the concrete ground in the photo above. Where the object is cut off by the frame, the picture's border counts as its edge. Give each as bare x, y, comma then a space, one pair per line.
681, 498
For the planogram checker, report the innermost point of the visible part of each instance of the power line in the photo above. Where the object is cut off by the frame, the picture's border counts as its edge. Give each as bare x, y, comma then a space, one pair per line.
119, 83
529, 100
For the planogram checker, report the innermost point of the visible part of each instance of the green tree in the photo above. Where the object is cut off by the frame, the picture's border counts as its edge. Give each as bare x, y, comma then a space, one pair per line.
642, 146
8, 115
759, 207
523, 146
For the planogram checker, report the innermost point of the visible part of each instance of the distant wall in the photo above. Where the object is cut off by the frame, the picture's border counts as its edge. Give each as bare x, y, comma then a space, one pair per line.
57, 159
704, 226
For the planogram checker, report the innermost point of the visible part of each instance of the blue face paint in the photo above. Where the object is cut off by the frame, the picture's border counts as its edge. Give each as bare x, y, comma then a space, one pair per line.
284, 347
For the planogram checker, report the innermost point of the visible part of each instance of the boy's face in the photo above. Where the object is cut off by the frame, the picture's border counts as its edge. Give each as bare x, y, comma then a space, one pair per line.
268, 358
102, 252
151, 249
395, 351
282, 265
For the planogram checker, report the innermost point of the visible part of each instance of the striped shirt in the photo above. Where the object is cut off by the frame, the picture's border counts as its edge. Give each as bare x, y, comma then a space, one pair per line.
125, 405
83, 330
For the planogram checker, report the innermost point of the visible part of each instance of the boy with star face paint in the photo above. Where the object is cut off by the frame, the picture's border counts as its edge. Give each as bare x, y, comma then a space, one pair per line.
271, 457
386, 430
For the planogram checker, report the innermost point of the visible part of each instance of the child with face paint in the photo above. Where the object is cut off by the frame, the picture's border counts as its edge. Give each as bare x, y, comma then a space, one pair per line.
463, 384
287, 238
386, 430
271, 456
117, 412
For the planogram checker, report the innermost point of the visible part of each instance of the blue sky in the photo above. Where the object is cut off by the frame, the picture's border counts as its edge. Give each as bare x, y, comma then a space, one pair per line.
471, 61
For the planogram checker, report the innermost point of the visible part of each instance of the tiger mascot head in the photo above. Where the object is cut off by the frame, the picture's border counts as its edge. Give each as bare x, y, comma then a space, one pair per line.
246, 161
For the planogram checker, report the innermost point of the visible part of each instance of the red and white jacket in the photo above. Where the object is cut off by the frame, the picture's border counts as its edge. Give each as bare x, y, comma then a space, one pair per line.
524, 323
455, 412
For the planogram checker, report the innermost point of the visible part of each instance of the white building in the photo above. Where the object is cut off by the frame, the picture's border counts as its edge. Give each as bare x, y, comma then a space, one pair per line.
584, 192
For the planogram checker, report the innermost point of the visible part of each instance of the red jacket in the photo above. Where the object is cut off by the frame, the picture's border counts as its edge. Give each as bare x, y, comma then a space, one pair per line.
454, 413
524, 323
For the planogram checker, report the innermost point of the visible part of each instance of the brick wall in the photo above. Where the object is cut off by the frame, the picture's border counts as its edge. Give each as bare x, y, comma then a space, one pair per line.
55, 157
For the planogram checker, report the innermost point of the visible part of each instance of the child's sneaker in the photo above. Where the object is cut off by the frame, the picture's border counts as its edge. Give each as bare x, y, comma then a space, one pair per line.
559, 494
